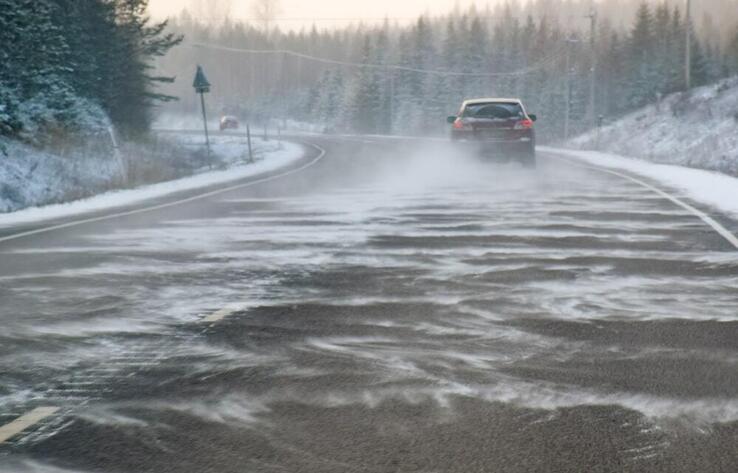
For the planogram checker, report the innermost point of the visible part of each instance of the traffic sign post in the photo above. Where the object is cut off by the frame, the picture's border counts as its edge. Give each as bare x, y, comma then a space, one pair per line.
202, 86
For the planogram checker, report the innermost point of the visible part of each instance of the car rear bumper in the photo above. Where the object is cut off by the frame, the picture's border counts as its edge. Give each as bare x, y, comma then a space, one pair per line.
518, 146
497, 139
498, 147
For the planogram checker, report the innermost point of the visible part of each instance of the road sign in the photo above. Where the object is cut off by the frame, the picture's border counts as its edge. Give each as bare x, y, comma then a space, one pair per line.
201, 83
202, 86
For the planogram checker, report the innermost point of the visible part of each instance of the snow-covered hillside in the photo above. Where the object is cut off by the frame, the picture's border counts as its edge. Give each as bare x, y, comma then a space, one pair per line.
697, 129
30, 177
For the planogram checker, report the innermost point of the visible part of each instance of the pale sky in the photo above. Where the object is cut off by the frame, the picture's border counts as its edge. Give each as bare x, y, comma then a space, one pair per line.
326, 10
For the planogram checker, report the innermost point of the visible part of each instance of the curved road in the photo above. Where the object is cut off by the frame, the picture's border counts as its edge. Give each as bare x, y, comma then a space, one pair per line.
395, 306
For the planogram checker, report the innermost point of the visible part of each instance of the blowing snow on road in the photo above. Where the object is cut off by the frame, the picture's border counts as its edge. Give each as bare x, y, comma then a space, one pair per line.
319, 236
392, 297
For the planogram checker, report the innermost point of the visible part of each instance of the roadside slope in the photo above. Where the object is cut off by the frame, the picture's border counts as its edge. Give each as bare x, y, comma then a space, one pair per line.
697, 129
271, 158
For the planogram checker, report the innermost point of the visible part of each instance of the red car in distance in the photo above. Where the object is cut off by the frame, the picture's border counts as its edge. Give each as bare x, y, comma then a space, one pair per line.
229, 122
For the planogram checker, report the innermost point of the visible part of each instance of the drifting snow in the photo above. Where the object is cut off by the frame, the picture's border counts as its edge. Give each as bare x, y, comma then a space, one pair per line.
271, 156
711, 188
697, 129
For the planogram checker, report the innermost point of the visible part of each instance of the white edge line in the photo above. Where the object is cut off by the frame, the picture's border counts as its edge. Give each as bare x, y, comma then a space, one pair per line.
721, 230
25, 421
168, 204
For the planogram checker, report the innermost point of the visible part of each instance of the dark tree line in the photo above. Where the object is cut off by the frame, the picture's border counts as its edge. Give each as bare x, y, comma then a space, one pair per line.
634, 67
70, 65
637, 62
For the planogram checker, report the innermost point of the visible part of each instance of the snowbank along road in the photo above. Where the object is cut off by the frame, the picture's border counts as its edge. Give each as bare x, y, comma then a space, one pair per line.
392, 307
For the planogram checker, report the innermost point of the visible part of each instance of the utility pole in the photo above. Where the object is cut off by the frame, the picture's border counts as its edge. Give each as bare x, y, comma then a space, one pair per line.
567, 109
688, 47
391, 99
591, 109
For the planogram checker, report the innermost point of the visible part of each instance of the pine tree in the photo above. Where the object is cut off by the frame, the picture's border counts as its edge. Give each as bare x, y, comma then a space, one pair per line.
663, 58
366, 98
69, 58
423, 56
701, 65
407, 108
643, 72
386, 81
475, 56
447, 87
731, 54
34, 73
526, 54
137, 42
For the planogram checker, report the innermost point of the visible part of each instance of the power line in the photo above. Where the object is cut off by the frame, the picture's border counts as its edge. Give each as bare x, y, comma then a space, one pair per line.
592, 106
527, 70
346, 19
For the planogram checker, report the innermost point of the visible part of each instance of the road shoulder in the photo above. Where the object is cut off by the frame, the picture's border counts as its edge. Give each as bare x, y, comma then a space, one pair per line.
294, 157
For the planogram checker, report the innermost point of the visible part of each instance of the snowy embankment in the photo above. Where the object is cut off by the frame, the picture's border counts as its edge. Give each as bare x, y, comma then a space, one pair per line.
717, 190
29, 176
43, 177
698, 129
688, 141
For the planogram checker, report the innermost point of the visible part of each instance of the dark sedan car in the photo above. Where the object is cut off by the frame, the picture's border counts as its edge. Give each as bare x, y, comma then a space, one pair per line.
498, 126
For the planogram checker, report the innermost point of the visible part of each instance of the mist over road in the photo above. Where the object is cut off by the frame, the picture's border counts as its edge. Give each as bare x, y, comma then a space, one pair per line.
397, 306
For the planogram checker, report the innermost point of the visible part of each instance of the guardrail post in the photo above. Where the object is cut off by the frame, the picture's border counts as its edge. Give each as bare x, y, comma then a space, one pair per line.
248, 139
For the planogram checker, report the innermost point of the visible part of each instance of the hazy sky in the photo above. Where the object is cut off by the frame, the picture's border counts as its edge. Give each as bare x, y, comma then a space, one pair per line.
326, 9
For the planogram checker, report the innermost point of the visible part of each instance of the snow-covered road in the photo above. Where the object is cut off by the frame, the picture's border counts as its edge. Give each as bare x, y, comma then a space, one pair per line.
717, 190
395, 297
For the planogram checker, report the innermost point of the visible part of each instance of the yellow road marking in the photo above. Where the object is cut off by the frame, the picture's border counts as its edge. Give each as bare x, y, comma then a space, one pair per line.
25, 421
223, 313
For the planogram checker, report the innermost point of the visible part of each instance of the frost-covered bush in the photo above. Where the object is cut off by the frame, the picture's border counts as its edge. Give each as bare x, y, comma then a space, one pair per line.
57, 110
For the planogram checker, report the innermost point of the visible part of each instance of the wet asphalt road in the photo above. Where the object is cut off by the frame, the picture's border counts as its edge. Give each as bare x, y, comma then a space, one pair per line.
398, 307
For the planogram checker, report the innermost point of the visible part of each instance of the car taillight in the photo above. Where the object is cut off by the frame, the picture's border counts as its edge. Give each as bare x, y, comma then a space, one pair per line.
458, 124
524, 124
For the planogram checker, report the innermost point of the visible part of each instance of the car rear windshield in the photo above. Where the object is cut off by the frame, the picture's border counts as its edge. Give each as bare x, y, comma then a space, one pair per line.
500, 110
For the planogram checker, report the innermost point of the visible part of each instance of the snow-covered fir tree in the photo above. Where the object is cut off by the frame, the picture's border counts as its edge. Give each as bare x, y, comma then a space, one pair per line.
427, 67
67, 65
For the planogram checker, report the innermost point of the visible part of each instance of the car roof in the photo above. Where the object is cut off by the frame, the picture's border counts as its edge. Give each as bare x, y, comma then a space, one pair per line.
490, 100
